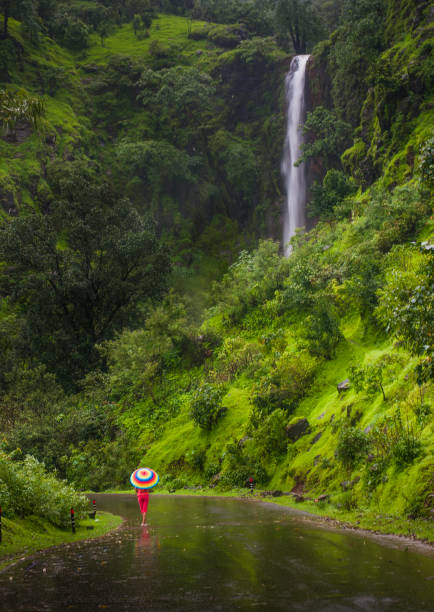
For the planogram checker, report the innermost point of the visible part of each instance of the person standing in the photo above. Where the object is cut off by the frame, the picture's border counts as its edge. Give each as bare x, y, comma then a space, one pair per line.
143, 499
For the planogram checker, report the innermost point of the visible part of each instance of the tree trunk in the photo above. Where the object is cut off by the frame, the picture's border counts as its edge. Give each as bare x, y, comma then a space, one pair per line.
5, 20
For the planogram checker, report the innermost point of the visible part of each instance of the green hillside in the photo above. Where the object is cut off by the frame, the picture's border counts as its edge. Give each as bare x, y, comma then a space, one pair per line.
147, 315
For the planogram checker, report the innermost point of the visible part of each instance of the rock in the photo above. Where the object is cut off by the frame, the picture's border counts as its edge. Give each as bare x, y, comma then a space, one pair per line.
345, 484
266, 493
50, 139
298, 498
367, 429
321, 416
324, 497
297, 428
242, 442
277, 493
343, 386
370, 458
316, 438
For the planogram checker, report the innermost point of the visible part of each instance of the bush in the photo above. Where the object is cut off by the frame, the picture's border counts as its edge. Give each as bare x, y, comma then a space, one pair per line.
284, 386
28, 489
206, 406
270, 438
352, 446
176, 484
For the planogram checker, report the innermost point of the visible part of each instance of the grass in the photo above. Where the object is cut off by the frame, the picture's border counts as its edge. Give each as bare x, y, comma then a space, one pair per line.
22, 537
167, 29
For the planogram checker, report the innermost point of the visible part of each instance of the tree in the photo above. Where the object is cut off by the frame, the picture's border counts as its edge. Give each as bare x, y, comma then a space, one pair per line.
24, 10
137, 24
335, 187
326, 137
300, 19
5, 6
79, 273
177, 96
406, 300
370, 378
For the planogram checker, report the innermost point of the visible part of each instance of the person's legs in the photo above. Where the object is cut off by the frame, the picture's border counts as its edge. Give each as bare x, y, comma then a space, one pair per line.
143, 518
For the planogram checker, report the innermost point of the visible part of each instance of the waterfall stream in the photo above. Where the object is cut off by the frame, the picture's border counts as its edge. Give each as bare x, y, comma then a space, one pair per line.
295, 180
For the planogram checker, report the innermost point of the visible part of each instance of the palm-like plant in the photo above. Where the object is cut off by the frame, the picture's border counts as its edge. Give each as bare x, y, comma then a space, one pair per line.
19, 106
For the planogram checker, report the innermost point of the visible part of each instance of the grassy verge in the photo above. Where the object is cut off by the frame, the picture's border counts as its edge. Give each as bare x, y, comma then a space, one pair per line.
418, 529
22, 537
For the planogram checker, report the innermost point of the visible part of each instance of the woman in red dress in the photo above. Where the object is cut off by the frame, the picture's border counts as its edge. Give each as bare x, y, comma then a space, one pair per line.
143, 499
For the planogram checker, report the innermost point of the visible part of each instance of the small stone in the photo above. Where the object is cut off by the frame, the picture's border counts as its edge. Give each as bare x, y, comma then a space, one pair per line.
343, 386
316, 438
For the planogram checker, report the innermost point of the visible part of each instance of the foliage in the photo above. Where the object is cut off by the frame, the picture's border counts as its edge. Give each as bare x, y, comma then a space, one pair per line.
28, 489
285, 385
352, 446
250, 280
206, 406
322, 331
427, 163
371, 378
299, 19
270, 436
327, 199
79, 272
326, 137
180, 94
136, 358
19, 106
396, 438
357, 43
405, 301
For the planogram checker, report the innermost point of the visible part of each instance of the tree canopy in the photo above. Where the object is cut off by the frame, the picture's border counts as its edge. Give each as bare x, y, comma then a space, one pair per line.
80, 272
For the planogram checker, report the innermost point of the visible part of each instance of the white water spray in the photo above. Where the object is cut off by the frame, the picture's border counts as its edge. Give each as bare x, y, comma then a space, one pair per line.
295, 180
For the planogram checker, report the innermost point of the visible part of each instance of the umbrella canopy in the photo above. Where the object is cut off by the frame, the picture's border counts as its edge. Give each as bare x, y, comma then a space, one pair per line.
144, 478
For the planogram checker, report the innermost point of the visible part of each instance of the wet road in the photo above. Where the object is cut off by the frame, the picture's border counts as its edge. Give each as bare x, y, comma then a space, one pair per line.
200, 554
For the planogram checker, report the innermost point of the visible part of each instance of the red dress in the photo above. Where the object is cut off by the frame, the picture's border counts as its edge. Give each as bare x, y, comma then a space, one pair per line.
143, 499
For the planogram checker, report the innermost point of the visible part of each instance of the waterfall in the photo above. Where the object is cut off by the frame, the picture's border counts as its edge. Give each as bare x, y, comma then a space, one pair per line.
295, 180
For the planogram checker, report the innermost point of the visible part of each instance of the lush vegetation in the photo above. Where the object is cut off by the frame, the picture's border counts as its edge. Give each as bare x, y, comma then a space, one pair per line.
146, 313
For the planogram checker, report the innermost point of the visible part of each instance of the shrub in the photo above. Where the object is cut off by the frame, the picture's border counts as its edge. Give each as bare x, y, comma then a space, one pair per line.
28, 489
284, 386
352, 446
206, 406
212, 470
270, 438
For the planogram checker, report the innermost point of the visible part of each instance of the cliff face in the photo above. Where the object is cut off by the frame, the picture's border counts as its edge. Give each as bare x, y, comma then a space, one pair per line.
393, 118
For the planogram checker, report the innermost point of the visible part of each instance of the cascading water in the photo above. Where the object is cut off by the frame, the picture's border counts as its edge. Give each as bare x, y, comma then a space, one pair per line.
295, 180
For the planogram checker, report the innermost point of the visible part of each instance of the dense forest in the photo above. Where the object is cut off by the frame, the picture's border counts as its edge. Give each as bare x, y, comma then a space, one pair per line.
147, 313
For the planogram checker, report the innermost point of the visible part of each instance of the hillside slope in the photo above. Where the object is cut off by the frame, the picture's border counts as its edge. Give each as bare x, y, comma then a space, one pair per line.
223, 381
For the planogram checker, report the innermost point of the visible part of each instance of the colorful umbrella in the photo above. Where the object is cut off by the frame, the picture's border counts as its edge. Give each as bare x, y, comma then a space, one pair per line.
144, 478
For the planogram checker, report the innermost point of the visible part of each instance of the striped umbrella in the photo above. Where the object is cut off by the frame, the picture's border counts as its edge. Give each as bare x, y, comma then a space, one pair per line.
144, 478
